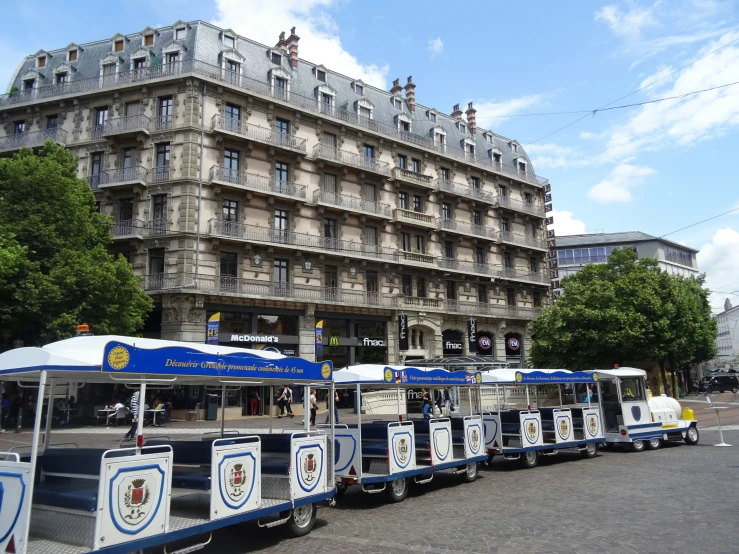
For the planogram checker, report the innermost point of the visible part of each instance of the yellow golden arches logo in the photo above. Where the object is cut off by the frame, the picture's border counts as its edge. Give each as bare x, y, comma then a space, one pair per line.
478, 377
519, 377
595, 376
118, 357
389, 375
325, 371
333, 341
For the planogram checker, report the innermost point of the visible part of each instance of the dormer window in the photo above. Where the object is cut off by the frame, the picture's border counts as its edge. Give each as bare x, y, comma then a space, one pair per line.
398, 103
118, 46
488, 138
72, 55
497, 157
359, 89
462, 128
180, 33
276, 58
41, 61
149, 39
321, 75
364, 108
432, 117
513, 146
229, 41
61, 78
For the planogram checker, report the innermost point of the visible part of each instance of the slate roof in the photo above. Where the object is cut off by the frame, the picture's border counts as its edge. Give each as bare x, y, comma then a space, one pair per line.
600, 239
203, 42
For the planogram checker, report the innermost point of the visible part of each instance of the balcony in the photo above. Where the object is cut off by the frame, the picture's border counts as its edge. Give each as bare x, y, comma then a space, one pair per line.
163, 123
468, 229
415, 257
467, 191
684, 260
261, 87
256, 133
352, 203
342, 157
490, 270
520, 206
521, 240
163, 173
415, 218
256, 183
120, 126
500, 311
326, 245
118, 177
407, 176
136, 228
32, 139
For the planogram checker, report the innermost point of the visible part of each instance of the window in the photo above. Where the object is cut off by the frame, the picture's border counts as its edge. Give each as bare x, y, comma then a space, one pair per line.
52, 121
229, 42
96, 166
165, 113
449, 250
522, 167
369, 151
482, 294
405, 242
41, 61
159, 213
370, 236
229, 264
537, 299
403, 200
233, 67
511, 297
365, 112
420, 287
101, 116
62, 77
326, 101
503, 191
370, 192
173, 57
405, 126
533, 265
402, 161
232, 116
632, 389
414, 333
161, 170
440, 140
118, 46
462, 128
281, 220
330, 229
282, 173
398, 103
514, 147
416, 166
280, 273
419, 244
280, 86
489, 138
451, 290
528, 198
407, 287
229, 210
476, 183
507, 260
276, 58
479, 255
446, 210
417, 203
321, 75
139, 63
28, 84
125, 209
179, 34
132, 108
505, 225
496, 158
477, 217
109, 70
329, 139
432, 117
372, 285
148, 40
231, 161
331, 277
359, 89
282, 126
329, 183
72, 55
156, 261
446, 174
127, 157
420, 339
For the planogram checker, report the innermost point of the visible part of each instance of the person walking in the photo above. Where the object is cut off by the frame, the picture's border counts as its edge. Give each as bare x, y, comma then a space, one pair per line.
254, 399
313, 407
281, 400
134, 416
289, 401
425, 403
336, 407
448, 405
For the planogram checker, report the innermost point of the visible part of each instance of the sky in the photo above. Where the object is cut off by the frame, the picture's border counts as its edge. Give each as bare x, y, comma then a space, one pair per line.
656, 167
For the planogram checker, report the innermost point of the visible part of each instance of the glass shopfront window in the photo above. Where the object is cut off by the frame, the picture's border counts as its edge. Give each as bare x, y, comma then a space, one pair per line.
277, 325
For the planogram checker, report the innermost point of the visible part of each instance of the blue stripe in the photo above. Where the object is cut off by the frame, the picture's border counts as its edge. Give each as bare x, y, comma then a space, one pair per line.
560, 446
653, 424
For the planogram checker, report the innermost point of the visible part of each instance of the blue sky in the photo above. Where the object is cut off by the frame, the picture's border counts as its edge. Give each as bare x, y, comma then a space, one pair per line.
653, 168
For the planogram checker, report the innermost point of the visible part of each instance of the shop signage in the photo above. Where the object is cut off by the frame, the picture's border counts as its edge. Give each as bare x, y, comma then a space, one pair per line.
513, 343
319, 338
213, 325
402, 332
333, 341
366, 341
255, 338
472, 335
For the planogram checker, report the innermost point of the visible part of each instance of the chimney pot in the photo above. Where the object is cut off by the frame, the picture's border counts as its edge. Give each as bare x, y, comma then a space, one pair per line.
397, 89
456, 107
410, 79
292, 47
282, 35
292, 30
410, 94
469, 106
282, 43
471, 118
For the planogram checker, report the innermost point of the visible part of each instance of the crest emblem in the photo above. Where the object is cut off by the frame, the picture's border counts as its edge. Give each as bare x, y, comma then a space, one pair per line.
403, 450
236, 480
532, 430
564, 428
309, 468
636, 412
592, 425
135, 499
474, 440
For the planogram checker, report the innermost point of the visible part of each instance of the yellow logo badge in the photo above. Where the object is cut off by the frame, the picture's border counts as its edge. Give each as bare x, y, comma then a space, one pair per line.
325, 371
118, 357
595, 376
478, 377
389, 375
519, 377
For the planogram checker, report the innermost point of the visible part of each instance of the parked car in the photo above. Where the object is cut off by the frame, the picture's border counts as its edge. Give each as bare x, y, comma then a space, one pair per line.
722, 383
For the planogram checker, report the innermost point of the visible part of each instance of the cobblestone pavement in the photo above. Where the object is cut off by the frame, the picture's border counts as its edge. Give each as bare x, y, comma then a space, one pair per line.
677, 499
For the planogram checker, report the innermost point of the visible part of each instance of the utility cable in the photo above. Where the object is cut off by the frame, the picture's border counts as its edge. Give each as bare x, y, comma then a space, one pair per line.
698, 223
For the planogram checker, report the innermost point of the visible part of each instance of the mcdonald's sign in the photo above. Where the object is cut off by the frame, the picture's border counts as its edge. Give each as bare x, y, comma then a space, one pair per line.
333, 341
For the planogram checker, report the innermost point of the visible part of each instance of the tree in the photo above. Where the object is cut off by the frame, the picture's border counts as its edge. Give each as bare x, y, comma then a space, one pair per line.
626, 311
55, 270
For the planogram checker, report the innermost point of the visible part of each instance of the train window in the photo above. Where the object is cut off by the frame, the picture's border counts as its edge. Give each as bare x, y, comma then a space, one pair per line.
632, 389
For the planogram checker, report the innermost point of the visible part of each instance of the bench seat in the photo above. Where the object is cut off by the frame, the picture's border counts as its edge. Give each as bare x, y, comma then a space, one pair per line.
199, 480
73, 494
374, 449
275, 467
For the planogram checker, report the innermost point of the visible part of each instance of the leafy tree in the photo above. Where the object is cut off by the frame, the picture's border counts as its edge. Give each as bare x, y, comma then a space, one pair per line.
626, 311
55, 271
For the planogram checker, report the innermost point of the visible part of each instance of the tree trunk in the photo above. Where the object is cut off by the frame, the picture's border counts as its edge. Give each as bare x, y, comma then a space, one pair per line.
663, 375
673, 383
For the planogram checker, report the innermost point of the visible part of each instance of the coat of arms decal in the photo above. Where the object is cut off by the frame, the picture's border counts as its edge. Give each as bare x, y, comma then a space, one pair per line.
592, 425
135, 499
532, 430
564, 428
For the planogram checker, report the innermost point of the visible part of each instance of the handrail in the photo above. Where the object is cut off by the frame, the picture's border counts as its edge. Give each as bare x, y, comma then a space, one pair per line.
351, 203
252, 181
508, 236
32, 138
331, 153
468, 191
260, 134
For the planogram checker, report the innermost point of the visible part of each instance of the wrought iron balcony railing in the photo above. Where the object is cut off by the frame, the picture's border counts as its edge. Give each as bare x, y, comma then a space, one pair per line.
163, 122
470, 229
237, 80
521, 206
163, 173
521, 240
32, 139
124, 125
333, 154
514, 273
257, 133
352, 203
468, 191
260, 183
255, 233
122, 175
138, 228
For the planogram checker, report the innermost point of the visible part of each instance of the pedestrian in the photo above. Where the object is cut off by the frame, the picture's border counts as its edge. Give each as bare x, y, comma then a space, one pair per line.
313, 407
4, 412
336, 407
134, 416
289, 401
281, 400
425, 403
448, 404
254, 401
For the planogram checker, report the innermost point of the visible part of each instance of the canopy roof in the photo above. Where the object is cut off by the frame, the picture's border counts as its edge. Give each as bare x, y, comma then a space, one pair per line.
458, 362
619, 372
513, 376
116, 358
381, 375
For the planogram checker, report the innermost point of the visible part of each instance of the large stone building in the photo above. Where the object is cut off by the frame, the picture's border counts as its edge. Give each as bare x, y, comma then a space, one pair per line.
245, 181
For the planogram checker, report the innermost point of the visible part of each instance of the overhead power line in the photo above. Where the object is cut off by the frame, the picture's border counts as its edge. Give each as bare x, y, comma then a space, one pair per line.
698, 223
634, 92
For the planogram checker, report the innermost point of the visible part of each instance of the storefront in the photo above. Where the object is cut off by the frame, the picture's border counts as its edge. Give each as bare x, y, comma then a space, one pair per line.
452, 343
353, 340
485, 343
513, 349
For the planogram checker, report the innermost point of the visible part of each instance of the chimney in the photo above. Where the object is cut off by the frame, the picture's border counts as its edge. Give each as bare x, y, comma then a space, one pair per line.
410, 94
292, 47
727, 305
457, 113
471, 118
397, 89
282, 43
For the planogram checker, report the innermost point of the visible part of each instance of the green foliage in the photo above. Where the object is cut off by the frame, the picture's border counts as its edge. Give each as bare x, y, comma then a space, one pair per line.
627, 311
55, 271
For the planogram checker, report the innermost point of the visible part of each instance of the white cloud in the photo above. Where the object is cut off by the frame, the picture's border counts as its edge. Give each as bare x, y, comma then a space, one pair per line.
565, 224
319, 41
627, 24
719, 261
490, 112
436, 47
617, 187
555, 155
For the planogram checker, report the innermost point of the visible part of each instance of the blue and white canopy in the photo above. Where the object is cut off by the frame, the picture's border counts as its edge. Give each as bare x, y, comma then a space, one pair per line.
380, 375
512, 376
114, 358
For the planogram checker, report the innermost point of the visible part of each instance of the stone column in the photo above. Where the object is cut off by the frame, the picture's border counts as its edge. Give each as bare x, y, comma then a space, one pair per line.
183, 318
307, 331
500, 342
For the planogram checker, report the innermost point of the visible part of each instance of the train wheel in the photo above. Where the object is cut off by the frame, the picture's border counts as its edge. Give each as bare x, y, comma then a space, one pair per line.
397, 490
591, 451
636, 446
529, 459
691, 435
654, 444
470, 474
302, 520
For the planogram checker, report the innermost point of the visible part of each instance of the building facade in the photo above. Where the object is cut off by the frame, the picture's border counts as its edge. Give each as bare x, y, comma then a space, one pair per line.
244, 181
574, 251
727, 337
